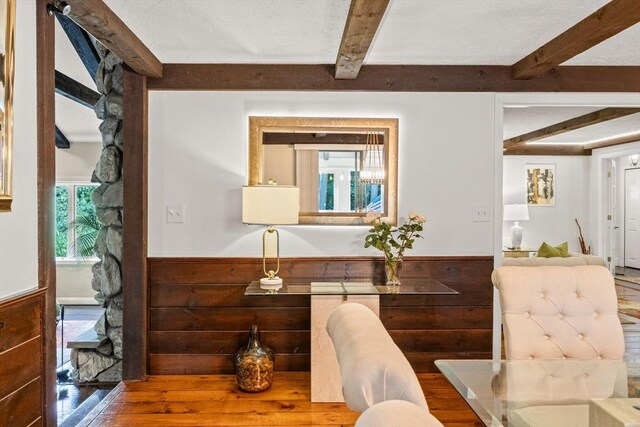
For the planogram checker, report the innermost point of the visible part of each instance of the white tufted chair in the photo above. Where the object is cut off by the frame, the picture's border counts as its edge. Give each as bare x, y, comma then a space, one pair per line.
559, 313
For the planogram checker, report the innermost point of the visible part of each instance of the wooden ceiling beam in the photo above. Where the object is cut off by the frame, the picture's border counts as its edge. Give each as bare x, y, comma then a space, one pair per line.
609, 20
362, 23
549, 150
579, 122
277, 138
75, 91
392, 78
101, 22
82, 43
61, 140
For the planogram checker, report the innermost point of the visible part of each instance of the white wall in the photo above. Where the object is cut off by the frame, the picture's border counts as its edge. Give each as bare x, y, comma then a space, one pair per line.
18, 229
198, 148
556, 224
76, 164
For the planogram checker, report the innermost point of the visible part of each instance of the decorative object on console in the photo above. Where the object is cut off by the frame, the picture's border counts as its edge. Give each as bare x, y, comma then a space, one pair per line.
381, 237
541, 185
583, 246
548, 251
270, 205
633, 159
254, 364
516, 212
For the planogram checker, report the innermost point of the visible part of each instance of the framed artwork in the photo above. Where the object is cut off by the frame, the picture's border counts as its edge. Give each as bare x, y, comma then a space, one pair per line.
541, 184
7, 67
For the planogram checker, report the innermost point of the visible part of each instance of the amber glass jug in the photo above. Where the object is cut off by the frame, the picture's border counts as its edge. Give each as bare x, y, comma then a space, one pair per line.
254, 364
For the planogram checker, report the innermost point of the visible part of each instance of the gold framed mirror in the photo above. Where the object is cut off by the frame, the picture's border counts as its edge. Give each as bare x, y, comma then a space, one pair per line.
7, 67
345, 168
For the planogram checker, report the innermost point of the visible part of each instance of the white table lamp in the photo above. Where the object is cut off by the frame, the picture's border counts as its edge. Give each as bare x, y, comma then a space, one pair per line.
516, 212
270, 205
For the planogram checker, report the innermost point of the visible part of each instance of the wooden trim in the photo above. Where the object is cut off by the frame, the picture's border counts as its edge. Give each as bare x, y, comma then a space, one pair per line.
134, 255
45, 83
22, 297
393, 78
102, 23
579, 122
609, 20
362, 23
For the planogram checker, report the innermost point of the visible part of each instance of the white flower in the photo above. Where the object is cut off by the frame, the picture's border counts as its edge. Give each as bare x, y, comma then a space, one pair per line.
419, 218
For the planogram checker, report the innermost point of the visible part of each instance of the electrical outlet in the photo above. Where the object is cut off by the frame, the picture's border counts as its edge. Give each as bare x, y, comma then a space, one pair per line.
175, 214
481, 213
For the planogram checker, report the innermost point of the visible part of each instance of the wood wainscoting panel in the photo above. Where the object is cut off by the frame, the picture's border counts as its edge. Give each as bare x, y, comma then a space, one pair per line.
21, 359
199, 316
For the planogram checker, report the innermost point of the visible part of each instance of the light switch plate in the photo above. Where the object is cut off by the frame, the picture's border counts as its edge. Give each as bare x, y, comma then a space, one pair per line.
175, 214
482, 213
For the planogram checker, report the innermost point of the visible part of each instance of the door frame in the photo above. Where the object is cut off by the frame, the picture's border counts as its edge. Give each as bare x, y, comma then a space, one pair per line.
45, 99
503, 100
624, 220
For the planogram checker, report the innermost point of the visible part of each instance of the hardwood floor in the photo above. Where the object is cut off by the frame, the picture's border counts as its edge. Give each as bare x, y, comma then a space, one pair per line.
216, 401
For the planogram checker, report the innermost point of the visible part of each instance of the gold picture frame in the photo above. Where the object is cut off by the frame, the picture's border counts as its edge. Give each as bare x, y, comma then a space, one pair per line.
258, 126
7, 57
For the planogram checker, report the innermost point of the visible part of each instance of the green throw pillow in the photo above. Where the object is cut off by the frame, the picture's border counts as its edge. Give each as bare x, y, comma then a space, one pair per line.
548, 251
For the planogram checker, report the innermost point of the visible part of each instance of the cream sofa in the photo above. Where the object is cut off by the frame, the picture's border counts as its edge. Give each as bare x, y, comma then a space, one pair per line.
574, 259
377, 380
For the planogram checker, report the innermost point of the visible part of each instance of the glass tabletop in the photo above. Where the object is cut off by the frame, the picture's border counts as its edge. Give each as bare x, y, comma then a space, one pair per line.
547, 392
354, 287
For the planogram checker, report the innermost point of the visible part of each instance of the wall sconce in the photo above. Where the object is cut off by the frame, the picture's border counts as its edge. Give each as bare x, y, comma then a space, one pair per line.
634, 159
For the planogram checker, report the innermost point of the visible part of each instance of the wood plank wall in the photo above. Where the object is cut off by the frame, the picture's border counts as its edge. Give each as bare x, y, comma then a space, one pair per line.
199, 316
21, 362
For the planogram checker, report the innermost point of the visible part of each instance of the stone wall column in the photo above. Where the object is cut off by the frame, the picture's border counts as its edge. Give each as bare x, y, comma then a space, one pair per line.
105, 363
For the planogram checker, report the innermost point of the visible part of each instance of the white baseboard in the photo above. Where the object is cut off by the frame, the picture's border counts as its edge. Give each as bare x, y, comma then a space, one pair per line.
77, 301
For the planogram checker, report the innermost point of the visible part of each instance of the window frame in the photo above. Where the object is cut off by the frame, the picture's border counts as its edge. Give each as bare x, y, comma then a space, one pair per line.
72, 256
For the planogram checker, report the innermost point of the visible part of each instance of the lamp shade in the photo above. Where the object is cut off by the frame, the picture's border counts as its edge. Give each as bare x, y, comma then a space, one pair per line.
516, 212
270, 204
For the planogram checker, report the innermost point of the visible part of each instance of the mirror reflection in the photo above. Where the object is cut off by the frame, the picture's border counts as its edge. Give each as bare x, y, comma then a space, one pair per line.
347, 178
344, 168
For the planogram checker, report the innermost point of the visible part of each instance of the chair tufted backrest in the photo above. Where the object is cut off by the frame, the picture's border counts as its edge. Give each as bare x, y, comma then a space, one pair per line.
559, 313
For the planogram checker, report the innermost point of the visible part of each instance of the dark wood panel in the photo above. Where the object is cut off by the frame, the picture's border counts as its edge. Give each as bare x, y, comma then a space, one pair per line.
436, 317
216, 295
23, 407
394, 78
228, 319
134, 251
203, 364
46, 160
20, 320
20, 365
433, 340
226, 342
476, 294
424, 362
245, 270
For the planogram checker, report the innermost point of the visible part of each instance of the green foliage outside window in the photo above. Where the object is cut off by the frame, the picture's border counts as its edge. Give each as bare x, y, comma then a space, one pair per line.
62, 219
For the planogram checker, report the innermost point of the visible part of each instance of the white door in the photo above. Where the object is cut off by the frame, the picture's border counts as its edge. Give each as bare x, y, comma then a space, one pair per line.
610, 213
632, 218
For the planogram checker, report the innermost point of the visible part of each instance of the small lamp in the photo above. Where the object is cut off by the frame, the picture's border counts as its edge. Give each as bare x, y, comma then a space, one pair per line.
516, 212
270, 205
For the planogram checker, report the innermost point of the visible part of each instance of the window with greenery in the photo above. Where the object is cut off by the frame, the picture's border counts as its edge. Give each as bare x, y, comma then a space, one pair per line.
76, 224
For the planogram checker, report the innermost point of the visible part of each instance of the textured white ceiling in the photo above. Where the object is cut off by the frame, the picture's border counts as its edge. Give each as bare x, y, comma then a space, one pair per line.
412, 31
518, 121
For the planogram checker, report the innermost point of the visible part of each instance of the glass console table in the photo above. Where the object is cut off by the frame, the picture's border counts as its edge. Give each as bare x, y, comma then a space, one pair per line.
325, 296
570, 392
425, 286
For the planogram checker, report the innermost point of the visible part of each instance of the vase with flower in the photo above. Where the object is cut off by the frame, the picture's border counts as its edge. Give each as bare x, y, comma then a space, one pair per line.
393, 242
